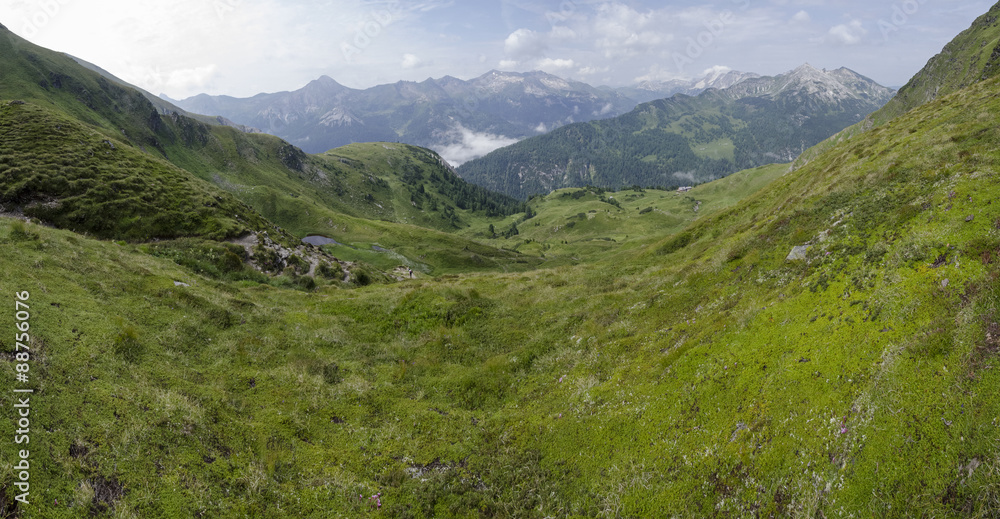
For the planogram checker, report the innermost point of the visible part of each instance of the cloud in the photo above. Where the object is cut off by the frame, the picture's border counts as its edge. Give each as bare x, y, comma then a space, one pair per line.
156, 80
590, 71
605, 110
507, 64
560, 32
411, 61
464, 145
685, 176
717, 70
847, 34
622, 31
556, 63
801, 17
524, 43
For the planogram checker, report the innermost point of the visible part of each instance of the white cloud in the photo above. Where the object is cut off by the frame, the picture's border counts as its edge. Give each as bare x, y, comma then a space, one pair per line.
847, 34
242, 47
541, 128
524, 43
656, 72
464, 145
563, 33
411, 61
717, 70
590, 71
191, 78
556, 63
622, 31
605, 110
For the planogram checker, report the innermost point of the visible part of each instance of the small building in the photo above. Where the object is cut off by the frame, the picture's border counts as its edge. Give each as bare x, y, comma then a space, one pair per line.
684, 189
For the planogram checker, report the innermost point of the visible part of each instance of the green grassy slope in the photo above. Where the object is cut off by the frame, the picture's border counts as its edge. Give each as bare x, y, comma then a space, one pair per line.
417, 187
56, 169
302, 194
709, 376
590, 223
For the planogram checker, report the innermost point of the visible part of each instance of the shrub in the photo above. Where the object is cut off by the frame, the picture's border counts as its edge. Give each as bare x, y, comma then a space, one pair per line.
20, 233
361, 277
300, 265
330, 271
306, 283
266, 258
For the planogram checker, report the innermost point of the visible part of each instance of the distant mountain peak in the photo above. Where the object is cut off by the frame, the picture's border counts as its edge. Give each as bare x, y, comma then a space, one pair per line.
832, 85
460, 117
717, 77
326, 81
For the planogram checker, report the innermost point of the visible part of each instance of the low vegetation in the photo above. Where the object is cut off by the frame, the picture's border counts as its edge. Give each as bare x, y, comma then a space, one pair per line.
698, 371
710, 376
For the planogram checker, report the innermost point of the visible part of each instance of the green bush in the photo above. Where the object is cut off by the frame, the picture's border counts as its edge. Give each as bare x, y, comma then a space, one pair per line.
361, 277
20, 233
330, 271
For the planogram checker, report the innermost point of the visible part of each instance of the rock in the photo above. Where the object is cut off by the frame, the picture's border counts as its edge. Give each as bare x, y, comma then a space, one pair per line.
180, 284
970, 218
798, 253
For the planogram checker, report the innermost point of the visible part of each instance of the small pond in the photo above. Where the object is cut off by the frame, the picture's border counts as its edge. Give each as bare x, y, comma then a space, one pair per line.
319, 240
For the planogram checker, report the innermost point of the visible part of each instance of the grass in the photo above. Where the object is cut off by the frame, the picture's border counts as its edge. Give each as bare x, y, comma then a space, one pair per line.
687, 369
589, 223
351, 194
55, 169
703, 377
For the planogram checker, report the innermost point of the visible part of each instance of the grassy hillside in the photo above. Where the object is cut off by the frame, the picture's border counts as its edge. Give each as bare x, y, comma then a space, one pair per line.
56, 169
589, 223
707, 376
354, 196
417, 187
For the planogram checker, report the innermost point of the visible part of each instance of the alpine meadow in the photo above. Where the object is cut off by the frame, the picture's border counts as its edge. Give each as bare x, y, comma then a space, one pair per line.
204, 320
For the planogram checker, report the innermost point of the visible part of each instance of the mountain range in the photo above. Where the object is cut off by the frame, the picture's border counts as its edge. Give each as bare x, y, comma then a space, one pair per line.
651, 90
687, 140
820, 341
460, 119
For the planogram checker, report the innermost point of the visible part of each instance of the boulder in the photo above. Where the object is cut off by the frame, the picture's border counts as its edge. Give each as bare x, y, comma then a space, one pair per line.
798, 253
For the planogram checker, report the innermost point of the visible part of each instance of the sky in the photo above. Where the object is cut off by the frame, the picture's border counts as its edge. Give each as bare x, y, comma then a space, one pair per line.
243, 47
